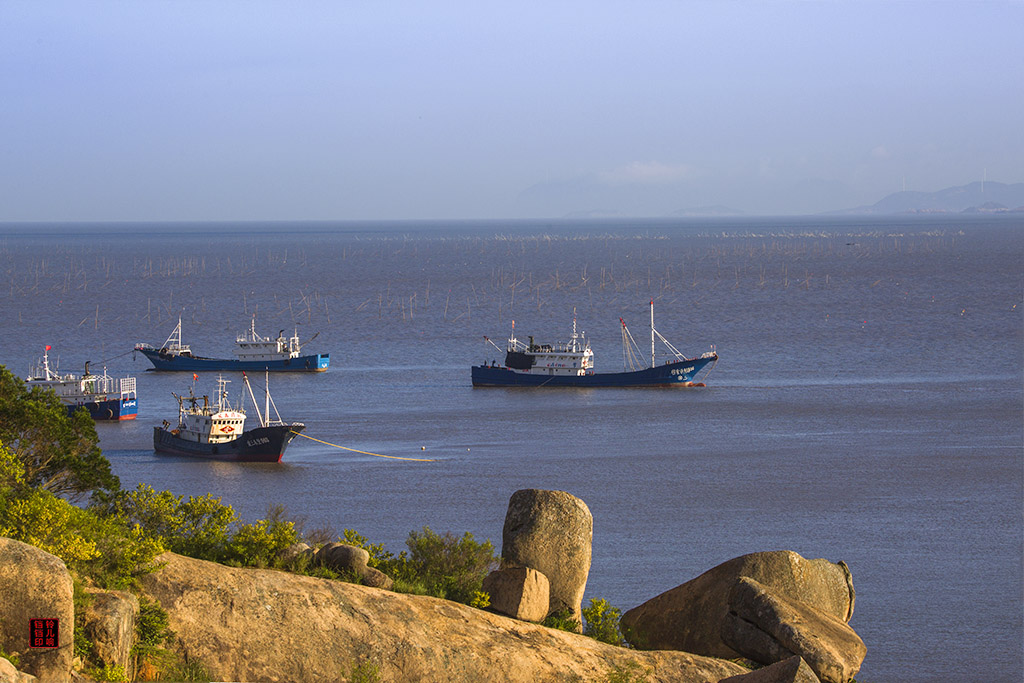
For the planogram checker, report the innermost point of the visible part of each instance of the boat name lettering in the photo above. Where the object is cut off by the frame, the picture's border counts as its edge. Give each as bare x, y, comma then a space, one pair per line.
257, 441
682, 371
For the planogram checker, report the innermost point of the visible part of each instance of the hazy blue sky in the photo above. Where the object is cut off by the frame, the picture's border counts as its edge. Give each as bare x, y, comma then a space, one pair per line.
150, 110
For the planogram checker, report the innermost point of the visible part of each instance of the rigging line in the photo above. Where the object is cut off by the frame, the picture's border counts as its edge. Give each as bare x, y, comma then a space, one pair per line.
378, 455
115, 357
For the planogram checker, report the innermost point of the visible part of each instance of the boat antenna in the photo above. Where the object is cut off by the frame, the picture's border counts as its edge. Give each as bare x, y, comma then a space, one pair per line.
266, 390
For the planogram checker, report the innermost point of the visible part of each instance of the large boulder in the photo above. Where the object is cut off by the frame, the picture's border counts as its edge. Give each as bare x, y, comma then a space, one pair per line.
519, 592
767, 628
270, 626
690, 617
343, 558
552, 532
109, 622
10, 674
792, 670
36, 585
351, 561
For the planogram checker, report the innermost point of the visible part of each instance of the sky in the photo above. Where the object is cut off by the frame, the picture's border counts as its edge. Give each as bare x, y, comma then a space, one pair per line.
350, 110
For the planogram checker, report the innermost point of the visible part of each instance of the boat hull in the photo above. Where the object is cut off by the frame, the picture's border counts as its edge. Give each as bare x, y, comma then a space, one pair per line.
675, 374
108, 410
167, 362
263, 444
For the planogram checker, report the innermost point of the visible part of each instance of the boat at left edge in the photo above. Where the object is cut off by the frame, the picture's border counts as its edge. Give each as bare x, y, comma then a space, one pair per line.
216, 429
105, 397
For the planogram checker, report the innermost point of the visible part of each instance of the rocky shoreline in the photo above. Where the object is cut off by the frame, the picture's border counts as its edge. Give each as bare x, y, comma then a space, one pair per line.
774, 609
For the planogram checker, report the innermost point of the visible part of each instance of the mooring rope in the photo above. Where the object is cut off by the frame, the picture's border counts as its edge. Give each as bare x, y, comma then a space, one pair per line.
354, 450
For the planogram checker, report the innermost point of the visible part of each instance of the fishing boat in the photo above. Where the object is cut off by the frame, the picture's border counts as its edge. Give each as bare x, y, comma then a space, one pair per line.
253, 351
216, 430
106, 398
571, 364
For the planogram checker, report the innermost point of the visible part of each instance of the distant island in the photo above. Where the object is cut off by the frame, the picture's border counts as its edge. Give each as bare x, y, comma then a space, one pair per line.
979, 197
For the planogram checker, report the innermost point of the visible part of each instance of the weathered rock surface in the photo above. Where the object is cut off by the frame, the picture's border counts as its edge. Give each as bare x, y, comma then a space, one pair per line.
519, 592
264, 625
343, 558
294, 550
9, 674
792, 670
350, 560
35, 584
690, 617
767, 628
109, 622
552, 532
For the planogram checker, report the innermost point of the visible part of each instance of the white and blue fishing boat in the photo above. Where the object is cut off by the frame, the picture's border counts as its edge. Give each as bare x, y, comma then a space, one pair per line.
571, 364
254, 352
216, 430
106, 398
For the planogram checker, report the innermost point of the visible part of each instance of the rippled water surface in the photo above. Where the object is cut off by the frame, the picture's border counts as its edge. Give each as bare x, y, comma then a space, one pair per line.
867, 406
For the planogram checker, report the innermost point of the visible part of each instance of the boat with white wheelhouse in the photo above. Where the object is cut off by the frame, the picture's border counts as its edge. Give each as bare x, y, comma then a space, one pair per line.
571, 364
216, 429
105, 397
252, 350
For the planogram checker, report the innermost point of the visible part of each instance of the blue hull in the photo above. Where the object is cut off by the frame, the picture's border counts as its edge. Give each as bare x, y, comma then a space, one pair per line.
113, 409
262, 444
676, 374
175, 363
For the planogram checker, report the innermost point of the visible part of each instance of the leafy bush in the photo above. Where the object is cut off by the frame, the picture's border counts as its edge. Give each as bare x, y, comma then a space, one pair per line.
258, 544
481, 600
51, 524
601, 622
197, 527
450, 567
563, 621
109, 672
630, 673
58, 453
13, 659
378, 555
364, 672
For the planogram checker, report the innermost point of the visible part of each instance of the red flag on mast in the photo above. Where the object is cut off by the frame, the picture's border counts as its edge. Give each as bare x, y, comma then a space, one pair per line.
48, 347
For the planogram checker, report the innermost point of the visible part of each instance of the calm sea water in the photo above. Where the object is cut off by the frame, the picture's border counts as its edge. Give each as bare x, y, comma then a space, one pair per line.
868, 405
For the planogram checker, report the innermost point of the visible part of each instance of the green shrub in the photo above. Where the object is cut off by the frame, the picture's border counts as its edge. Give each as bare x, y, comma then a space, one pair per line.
188, 669
630, 673
58, 453
109, 672
378, 555
481, 600
13, 659
258, 544
364, 672
51, 524
151, 629
563, 621
450, 567
601, 622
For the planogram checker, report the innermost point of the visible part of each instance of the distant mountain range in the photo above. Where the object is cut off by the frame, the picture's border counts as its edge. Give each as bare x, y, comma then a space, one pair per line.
978, 197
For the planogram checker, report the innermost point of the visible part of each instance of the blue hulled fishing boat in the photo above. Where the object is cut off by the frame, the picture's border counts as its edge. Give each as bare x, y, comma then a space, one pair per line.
106, 398
253, 351
216, 430
571, 364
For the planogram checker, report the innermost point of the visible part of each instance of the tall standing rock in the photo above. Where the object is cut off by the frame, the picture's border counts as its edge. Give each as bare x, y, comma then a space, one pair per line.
36, 585
109, 621
552, 532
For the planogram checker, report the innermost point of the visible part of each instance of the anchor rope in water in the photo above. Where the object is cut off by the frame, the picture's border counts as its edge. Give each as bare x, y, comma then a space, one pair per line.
354, 450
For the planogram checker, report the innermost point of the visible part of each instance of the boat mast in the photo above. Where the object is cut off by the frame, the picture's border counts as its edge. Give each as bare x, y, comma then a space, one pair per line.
266, 390
652, 333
